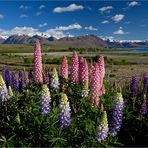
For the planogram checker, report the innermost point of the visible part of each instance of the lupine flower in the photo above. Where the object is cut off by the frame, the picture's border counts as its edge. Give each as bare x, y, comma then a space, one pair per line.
54, 82
95, 85
10, 91
145, 81
45, 100
74, 69
3, 91
133, 86
38, 63
83, 71
64, 68
102, 131
7, 77
117, 115
143, 109
64, 111
20, 81
14, 83
101, 66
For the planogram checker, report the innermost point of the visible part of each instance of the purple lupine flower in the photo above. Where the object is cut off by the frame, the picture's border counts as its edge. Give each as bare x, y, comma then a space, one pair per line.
3, 91
45, 100
20, 81
134, 86
14, 83
145, 81
117, 115
143, 109
30, 75
54, 79
102, 131
7, 77
74, 76
45, 77
64, 111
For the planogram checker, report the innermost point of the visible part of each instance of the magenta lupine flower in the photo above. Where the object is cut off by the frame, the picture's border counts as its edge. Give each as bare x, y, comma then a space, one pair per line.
101, 66
64, 68
95, 85
117, 115
143, 109
102, 131
38, 77
83, 71
46, 77
64, 111
74, 69
134, 86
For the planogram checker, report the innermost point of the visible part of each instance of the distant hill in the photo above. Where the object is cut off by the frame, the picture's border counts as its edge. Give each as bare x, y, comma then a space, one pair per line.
1, 40
86, 41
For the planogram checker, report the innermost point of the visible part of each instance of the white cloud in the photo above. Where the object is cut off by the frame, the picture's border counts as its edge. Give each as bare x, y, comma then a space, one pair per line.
110, 38
120, 31
91, 28
1, 16
43, 25
23, 16
38, 13
133, 4
42, 6
106, 9
118, 17
69, 27
70, 8
105, 22
22, 7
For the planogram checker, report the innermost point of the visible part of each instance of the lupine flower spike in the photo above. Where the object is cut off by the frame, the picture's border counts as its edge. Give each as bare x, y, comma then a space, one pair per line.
102, 131
64, 111
143, 109
6, 77
54, 79
45, 100
145, 81
64, 68
10, 91
74, 69
20, 81
38, 77
3, 91
117, 115
14, 83
134, 86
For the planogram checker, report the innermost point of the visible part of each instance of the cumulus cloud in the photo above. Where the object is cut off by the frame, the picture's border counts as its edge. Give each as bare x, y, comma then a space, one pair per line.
23, 16
105, 22
69, 27
106, 9
110, 38
22, 7
120, 31
42, 6
70, 8
1, 16
118, 17
91, 28
133, 4
43, 25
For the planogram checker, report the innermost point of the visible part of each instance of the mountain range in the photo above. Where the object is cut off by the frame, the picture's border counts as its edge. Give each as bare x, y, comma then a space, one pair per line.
89, 41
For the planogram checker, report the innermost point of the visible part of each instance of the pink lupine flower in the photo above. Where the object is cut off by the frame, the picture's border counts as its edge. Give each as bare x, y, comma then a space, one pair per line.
95, 85
101, 66
64, 68
83, 71
38, 77
74, 69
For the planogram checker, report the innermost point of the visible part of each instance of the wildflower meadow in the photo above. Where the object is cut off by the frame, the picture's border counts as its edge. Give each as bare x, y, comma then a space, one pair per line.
73, 105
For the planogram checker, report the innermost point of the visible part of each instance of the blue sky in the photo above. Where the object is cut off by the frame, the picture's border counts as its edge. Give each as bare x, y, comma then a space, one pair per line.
123, 20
